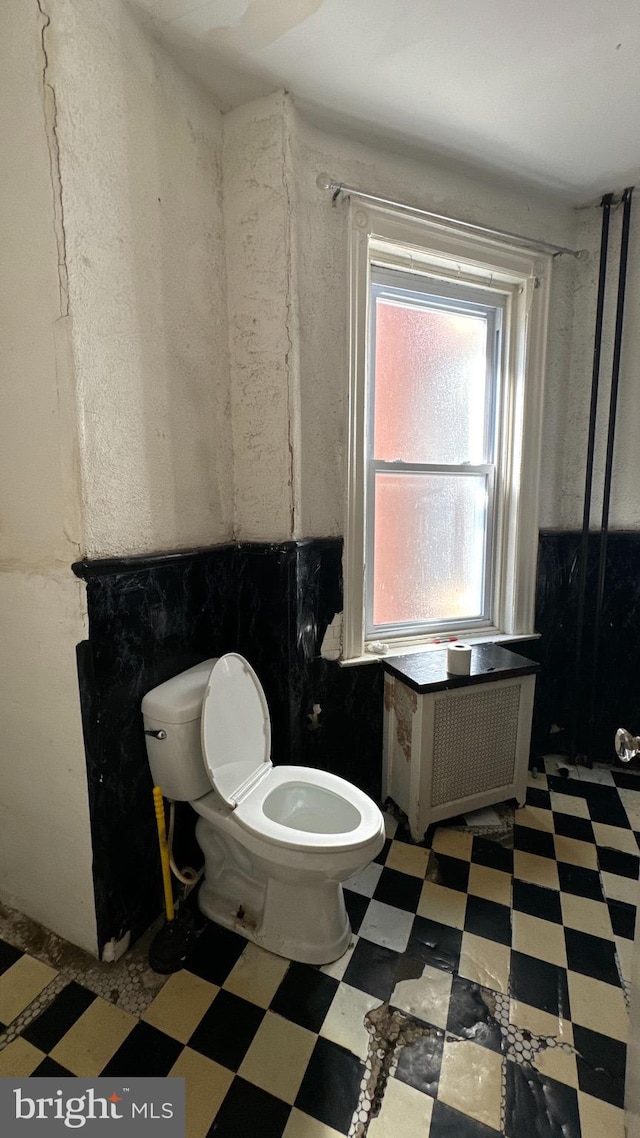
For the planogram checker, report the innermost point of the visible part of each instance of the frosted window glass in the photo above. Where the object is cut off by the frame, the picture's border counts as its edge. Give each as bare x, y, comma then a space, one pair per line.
429, 547
430, 384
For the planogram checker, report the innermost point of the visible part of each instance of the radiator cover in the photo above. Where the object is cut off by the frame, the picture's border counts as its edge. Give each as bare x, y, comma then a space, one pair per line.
451, 752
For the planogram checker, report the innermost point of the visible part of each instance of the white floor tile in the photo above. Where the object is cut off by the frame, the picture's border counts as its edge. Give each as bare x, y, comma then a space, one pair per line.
365, 880
553, 763
485, 817
344, 1022
620, 888
386, 925
337, 968
624, 952
426, 997
598, 774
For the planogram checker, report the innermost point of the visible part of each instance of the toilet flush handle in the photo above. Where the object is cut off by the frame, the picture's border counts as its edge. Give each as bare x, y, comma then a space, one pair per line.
157, 734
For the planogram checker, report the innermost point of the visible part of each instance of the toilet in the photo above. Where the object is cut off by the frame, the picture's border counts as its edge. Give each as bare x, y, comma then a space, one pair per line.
277, 841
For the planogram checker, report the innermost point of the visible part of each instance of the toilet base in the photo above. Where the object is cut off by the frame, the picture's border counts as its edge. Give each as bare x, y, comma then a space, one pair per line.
321, 933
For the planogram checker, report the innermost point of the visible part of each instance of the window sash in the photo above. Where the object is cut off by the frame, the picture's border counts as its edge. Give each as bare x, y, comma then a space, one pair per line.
427, 292
521, 279
484, 620
394, 284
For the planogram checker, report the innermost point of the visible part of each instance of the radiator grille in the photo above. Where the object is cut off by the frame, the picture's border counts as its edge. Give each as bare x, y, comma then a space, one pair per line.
474, 743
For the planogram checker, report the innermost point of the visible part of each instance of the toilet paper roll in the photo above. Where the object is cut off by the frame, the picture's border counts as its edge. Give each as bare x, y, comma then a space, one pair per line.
459, 659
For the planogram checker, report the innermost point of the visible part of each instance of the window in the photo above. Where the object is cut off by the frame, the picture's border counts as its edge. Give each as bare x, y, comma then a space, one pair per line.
447, 344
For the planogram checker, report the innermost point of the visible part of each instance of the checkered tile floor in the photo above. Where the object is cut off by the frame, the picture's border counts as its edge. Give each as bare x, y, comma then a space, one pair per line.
506, 968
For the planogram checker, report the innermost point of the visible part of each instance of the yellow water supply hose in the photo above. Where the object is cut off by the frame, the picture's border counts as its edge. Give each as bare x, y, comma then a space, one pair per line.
164, 852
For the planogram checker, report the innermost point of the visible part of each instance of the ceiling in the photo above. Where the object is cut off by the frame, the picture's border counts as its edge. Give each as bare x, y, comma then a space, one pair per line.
548, 92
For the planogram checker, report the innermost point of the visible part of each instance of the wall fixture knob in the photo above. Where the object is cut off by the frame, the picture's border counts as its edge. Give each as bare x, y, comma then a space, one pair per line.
157, 734
627, 745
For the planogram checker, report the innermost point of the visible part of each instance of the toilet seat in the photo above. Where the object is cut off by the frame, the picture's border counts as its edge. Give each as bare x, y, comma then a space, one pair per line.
235, 728
352, 805
297, 808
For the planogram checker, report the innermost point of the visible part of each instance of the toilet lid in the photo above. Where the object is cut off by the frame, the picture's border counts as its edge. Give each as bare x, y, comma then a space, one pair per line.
236, 728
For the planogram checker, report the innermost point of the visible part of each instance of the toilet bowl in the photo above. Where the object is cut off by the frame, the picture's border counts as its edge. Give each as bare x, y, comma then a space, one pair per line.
277, 841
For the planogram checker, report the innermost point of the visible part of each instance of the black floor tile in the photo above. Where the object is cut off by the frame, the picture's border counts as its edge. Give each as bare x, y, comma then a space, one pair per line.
530, 840
571, 827
408, 967
488, 919
537, 1105
372, 969
614, 861
331, 1085
226, 1030
215, 953
469, 1016
248, 1111
403, 834
626, 780
384, 852
356, 906
8, 955
540, 984
305, 996
49, 1069
449, 1123
540, 798
572, 786
145, 1051
430, 834
592, 956
62, 1013
579, 881
399, 889
419, 1063
606, 806
537, 901
435, 944
492, 854
601, 1065
623, 918
452, 872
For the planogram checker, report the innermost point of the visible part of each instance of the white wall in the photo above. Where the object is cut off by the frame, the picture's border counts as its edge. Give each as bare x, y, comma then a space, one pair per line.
321, 243
116, 410
140, 151
263, 335
45, 846
286, 242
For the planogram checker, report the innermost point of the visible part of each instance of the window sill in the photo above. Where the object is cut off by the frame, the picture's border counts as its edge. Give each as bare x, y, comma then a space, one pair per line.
494, 637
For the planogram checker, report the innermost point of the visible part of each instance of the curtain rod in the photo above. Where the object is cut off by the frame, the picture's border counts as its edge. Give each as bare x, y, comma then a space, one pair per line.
324, 182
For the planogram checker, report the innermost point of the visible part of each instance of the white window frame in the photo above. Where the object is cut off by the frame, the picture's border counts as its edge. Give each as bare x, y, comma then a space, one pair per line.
386, 237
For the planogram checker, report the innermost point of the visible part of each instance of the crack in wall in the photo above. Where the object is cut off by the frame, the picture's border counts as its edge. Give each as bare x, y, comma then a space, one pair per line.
50, 107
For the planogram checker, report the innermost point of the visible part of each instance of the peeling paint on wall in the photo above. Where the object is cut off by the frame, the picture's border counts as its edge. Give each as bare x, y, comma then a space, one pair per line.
405, 705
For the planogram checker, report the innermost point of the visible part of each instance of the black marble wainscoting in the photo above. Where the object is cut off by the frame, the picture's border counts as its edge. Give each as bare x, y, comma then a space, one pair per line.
618, 690
346, 736
287, 595
150, 618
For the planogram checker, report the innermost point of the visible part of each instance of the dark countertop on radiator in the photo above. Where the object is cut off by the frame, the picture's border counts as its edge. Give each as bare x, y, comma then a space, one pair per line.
427, 671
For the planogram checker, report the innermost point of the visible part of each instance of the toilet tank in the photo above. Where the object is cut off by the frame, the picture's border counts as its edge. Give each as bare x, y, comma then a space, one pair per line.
175, 707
